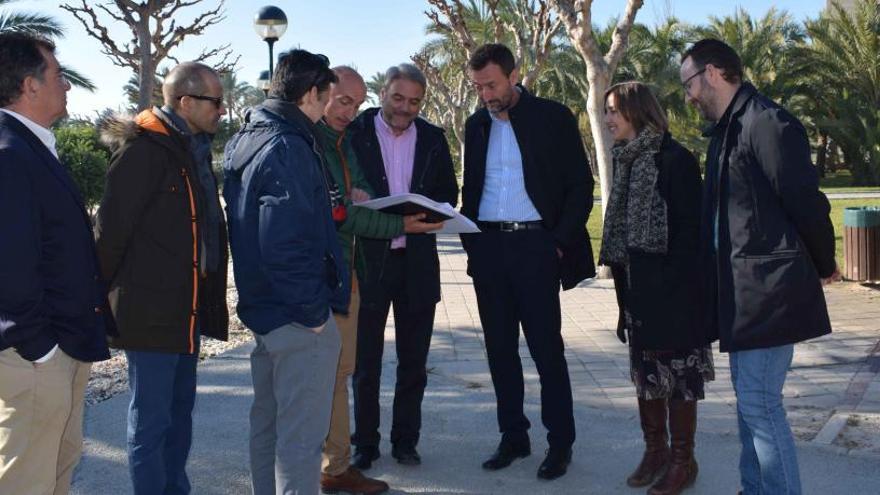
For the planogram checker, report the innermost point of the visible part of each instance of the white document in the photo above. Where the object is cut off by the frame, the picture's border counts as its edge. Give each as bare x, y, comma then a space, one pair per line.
410, 203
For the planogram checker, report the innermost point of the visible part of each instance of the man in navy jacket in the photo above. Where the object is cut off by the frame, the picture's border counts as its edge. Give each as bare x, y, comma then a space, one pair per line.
51, 304
289, 272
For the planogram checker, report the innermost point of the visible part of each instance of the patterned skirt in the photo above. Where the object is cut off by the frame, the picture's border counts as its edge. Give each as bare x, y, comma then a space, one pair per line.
677, 375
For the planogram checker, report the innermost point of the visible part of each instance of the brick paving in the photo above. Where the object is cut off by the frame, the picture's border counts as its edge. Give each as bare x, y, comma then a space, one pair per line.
836, 374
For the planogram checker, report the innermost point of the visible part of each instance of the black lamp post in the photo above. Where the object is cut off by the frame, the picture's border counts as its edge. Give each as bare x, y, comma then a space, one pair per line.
270, 23
263, 82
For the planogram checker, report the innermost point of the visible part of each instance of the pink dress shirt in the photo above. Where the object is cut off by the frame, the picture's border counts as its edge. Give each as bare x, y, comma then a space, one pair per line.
398, 153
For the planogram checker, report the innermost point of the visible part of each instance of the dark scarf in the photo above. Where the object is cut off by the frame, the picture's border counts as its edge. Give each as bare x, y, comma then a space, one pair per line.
200, 149
636, 214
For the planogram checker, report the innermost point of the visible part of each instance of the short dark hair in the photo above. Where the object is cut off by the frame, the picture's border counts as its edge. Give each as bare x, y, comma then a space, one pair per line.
718, 53
20, 57
297, 72
638, 105
495, 53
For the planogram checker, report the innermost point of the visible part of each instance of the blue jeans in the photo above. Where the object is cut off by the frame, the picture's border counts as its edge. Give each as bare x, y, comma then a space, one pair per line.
768, 462
163, 393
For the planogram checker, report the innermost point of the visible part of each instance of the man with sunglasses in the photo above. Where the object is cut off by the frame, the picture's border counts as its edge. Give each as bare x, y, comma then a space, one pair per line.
289, 272
161, 242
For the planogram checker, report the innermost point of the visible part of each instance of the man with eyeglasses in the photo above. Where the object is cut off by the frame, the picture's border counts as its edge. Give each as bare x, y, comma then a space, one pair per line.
769, 247
52, 307
289, 272
161, 242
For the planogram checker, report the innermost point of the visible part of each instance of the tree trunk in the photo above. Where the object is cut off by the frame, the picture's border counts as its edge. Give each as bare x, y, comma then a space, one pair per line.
822, 154
147, 70
602, 143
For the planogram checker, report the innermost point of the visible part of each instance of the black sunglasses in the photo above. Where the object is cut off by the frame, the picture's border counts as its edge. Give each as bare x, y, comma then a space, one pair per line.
216, 100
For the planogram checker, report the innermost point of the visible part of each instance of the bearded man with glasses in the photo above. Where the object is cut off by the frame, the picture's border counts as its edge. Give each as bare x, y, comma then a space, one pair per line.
161, 242
768, 248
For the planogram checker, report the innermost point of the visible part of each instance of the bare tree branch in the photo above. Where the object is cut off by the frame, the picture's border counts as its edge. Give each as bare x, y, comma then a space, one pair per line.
155, 33
456, 25
621, 34
89, 19
576, 16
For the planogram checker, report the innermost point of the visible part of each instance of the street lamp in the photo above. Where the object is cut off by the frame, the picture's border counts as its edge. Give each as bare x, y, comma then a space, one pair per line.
264, 82
270, 23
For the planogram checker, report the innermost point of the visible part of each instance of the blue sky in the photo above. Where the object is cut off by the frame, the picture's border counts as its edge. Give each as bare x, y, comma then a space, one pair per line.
368, 34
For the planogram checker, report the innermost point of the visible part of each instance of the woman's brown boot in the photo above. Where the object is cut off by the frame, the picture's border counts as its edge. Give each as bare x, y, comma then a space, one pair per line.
683, 467
652, 415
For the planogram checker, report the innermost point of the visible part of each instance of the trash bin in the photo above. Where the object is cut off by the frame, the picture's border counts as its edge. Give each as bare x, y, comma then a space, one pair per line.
861, 243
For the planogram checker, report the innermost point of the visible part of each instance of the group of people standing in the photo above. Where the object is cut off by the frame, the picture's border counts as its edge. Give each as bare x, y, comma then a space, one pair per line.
740, 258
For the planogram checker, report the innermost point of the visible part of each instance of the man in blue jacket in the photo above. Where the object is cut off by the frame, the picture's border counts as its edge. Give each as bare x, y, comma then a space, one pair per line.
289, 272
52, 307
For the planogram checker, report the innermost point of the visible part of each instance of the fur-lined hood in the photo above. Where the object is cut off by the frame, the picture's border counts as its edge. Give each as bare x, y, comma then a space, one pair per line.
118, 128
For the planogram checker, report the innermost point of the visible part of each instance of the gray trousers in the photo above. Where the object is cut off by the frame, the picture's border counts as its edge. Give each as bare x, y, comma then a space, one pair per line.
294, 370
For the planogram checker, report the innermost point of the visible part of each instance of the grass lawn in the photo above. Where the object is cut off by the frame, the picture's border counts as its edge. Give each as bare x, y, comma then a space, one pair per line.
594, 224
840, 182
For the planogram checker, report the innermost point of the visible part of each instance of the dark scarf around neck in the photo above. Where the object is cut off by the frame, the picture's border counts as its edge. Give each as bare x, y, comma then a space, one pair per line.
636, 217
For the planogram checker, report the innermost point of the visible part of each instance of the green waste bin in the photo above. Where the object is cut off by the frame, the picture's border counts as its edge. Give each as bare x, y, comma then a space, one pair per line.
861, 243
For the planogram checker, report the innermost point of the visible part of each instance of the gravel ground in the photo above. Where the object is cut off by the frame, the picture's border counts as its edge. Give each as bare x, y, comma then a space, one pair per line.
110, 377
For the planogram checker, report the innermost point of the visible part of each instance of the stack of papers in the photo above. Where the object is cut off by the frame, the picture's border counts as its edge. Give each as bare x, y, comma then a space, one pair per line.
410, 204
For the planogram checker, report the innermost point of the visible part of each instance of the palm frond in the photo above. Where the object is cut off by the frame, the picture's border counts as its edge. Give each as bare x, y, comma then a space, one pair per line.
78, 80
31, 23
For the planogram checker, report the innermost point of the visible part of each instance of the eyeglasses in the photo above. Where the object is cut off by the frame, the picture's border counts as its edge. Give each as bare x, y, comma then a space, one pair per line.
216, 100
687, 82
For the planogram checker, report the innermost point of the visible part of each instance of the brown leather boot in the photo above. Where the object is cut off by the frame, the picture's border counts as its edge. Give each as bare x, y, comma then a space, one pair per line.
683, 467
652, 415
352, 481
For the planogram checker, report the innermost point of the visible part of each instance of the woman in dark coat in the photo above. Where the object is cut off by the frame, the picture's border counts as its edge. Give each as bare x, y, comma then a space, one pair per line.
650, 241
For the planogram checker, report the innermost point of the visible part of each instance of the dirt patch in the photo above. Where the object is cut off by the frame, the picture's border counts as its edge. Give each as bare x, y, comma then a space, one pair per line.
861, 432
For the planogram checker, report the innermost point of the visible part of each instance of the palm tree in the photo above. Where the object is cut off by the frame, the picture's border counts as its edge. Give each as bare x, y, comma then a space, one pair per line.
132, 90
765, 46
235, 93
840, 74
374, 86
45, 26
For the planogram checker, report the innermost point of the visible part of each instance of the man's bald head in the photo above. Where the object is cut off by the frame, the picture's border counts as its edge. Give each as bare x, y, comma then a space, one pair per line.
188, 78
350, 75
194, 92
346, 97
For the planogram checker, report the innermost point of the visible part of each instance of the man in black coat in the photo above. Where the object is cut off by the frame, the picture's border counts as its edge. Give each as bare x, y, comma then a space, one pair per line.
770, 248
527, 184
52, 306
399, 153
161, 241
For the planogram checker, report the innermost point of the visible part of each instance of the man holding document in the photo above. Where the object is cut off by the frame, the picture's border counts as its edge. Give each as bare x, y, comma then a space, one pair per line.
399, 153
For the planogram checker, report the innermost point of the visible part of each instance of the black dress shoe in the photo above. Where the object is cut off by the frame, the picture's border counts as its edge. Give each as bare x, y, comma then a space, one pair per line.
406, 454
505, 454
364, 456
555, 464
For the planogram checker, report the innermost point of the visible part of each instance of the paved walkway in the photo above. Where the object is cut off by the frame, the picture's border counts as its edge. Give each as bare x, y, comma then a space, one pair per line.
832, 395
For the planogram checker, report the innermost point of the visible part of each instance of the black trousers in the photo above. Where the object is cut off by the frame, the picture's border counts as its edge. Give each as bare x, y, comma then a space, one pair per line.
516, 278
413, 329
